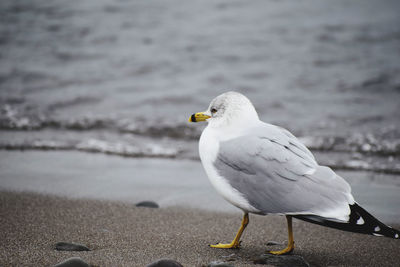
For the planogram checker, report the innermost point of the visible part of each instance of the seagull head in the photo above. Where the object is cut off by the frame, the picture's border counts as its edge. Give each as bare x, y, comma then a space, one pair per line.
228, 109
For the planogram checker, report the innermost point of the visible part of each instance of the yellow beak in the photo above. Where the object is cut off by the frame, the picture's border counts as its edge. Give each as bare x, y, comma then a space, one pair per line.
200, 116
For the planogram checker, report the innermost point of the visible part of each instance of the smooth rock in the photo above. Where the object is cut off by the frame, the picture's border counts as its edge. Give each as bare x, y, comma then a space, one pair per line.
273, 243
165, 263
72, 262
282, 260
219, 264
65, 246
147, 204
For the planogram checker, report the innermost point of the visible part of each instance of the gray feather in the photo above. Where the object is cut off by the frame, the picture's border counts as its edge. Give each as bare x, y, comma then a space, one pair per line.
278, 174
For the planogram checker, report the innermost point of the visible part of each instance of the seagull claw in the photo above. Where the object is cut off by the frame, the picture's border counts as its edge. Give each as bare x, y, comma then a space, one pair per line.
289, 249
231, 245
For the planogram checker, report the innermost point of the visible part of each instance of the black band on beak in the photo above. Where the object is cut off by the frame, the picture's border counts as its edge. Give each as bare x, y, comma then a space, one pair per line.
193, 118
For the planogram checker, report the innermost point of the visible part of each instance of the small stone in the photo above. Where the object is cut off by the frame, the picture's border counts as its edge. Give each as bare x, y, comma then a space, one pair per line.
219, 264
64, 246
274, 243
147, 204
72, 262
231, 257
281, 260
165, 263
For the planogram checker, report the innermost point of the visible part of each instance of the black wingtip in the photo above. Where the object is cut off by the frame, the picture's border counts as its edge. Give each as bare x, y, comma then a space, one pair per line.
368, 224
360, 221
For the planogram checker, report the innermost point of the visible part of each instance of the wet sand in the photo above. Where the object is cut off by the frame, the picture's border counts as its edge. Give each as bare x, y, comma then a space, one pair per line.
120, 234
169, 182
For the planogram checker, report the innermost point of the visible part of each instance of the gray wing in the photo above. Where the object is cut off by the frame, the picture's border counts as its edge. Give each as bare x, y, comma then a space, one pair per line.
278, 174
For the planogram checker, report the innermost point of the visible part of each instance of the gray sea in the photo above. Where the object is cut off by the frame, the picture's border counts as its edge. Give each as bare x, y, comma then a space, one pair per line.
117, 81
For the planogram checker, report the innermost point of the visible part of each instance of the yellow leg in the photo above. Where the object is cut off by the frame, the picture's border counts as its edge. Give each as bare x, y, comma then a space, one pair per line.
236, 241
290, 245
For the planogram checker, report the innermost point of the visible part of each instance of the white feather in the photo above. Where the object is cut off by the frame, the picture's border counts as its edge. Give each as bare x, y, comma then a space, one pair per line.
208, 149
236, 119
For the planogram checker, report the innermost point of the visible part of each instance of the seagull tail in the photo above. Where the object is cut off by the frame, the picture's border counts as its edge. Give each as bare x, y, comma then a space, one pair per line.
360, 221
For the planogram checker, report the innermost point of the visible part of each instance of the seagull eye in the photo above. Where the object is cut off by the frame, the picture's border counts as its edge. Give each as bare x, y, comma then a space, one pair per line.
213, 110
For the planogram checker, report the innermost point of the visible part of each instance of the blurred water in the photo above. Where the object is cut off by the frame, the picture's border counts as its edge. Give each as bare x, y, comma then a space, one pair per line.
122, 77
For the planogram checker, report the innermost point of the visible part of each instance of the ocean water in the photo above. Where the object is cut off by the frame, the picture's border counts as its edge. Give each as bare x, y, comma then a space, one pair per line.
122, 77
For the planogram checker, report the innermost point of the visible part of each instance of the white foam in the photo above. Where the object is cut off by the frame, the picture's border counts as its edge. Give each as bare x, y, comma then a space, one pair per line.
145, 150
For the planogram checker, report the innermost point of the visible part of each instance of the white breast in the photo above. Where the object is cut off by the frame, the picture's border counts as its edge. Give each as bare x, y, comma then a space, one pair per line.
208, 149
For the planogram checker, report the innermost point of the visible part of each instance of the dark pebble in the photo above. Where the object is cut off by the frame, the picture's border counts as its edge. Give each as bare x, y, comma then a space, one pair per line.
147, 204
274, 243
64, 246
282, 260
219, 264
72, 262
165, 263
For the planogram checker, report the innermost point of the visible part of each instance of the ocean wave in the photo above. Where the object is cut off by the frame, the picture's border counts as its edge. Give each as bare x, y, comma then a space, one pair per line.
147, 150
361, 165
13, 118
16, 118
97, 146
384, 143
336, 160
362, 143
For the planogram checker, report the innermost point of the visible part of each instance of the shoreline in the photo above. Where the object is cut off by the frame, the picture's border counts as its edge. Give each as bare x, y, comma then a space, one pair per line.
169, 182
120, 234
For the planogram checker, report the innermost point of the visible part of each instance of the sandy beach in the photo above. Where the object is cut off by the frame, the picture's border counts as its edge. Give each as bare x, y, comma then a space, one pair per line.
120, 234
95, 98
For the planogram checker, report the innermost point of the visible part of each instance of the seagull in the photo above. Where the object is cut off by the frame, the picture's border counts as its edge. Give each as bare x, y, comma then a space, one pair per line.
264, 169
